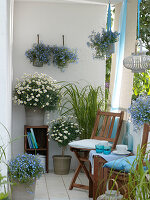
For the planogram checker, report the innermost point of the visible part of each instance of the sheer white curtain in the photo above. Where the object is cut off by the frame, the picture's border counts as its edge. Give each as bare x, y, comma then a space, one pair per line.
119, 58
6, 40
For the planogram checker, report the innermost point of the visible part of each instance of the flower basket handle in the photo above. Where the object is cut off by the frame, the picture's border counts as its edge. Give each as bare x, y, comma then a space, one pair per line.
116, 184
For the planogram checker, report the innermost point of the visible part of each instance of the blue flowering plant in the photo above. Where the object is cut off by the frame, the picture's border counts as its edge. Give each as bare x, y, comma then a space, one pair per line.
25, 168
39, 54
63, 130
100, 43
140, 111
62, 56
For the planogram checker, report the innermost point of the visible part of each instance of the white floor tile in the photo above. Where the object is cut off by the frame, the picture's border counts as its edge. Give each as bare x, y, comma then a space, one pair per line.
56, 187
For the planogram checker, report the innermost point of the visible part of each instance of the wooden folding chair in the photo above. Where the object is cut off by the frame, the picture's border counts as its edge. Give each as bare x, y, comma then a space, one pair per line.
122, 177
109, 125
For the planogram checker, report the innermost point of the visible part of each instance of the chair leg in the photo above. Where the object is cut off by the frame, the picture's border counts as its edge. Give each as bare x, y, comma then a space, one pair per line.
75, 176
90, 183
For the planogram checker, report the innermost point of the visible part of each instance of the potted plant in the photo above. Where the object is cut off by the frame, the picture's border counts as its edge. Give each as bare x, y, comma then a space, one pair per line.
140, 114
63, 131
103, 43
37, 92
62, 56
23, 172
39, 54
83, 103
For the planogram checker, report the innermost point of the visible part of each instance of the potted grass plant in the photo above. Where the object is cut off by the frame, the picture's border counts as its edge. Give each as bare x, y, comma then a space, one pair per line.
63, 130
83, 103
23, 172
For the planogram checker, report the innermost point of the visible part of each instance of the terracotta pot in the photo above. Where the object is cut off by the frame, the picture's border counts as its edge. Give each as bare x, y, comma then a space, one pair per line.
34, 117
23, 191
61, 164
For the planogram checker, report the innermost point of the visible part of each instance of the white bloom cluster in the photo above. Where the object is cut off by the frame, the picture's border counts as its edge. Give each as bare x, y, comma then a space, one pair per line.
63, 130
37, 90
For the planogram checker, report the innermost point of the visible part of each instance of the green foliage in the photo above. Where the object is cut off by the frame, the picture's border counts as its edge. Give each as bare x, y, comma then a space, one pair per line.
145, 23
141, 82
83, 104
3, 181
107, 80
139, 186
4, 196
108, 69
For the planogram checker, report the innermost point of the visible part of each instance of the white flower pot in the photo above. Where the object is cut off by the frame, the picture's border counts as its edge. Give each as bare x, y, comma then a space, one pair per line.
111, 48
23, 191
137, 139
34, 117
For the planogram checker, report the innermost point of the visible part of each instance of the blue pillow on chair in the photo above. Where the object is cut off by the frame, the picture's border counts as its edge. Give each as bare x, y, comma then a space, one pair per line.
122, 164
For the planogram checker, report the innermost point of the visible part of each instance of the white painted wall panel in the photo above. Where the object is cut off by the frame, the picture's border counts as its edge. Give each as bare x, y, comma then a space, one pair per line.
51, 21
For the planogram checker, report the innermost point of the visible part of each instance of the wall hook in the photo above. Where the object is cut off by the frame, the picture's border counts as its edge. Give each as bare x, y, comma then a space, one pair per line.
63, 37
38, 38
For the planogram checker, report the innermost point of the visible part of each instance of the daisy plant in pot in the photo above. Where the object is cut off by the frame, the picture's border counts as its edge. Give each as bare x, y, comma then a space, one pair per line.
23, 172
63, 130
38, 93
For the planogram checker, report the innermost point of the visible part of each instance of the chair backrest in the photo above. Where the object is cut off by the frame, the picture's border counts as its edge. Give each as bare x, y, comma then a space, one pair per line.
108, 122
146, 131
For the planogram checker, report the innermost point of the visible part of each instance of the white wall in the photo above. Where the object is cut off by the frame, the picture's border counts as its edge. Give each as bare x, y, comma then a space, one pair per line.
5, 83
51, 21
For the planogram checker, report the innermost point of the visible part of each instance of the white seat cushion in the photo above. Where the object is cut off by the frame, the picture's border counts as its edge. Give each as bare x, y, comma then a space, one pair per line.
84, 144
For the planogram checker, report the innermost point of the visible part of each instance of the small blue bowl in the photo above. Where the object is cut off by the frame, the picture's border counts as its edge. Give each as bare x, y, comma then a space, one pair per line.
99, 148
107, 150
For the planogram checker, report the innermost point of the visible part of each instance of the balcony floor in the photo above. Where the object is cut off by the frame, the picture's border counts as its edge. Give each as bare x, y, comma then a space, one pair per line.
56, 187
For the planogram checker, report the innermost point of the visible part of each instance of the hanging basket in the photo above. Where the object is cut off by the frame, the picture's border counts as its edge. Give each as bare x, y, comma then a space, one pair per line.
36, 63
111, 49
34, 116
111, 194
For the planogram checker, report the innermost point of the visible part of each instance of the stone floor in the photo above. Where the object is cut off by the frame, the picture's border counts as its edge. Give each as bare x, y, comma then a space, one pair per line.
56, 187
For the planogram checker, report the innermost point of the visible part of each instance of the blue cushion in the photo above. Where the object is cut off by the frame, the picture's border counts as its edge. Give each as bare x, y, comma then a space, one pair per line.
123, 164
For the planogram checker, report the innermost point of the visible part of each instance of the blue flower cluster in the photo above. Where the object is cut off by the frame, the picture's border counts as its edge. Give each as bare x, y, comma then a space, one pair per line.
100, 42
25, 168
140, 110
63, 56
39, 52
43, 55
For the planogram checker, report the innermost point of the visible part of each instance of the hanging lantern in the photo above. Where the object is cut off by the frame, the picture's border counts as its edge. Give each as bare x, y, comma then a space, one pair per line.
138, 61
